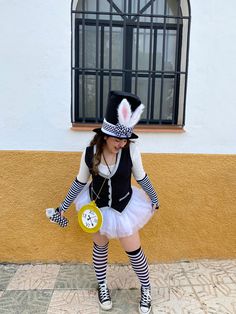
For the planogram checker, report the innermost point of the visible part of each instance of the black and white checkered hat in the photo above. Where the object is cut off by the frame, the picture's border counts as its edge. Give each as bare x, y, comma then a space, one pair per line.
123, 113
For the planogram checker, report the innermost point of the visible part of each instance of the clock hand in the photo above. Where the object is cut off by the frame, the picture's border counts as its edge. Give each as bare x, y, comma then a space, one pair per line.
93, 217
89, 218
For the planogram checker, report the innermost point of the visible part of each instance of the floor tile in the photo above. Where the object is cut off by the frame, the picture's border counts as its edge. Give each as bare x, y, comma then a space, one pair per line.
197, 287
203, 273
217, 299
232, 276
211, 264
167, 275
232, 263
74, 302
231, 270
76, 277
25, 302
6, 273
221, 264
121, 277
34, 277
176, 300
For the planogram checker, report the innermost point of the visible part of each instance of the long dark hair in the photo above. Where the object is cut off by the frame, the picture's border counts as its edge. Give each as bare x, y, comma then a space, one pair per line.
99, 141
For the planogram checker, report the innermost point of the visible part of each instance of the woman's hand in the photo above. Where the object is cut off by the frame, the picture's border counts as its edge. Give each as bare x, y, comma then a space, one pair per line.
58, 218
61, 212
155, 207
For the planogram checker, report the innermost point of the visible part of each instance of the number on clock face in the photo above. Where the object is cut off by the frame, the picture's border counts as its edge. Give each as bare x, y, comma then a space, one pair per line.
89, 218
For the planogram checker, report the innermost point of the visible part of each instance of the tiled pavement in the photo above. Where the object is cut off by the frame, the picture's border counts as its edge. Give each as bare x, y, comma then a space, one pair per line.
197, 287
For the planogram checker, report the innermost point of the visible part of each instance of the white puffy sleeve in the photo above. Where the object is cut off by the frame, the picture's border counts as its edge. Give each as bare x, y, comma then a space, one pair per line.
77, 185
140, 175
137, 169
83, 174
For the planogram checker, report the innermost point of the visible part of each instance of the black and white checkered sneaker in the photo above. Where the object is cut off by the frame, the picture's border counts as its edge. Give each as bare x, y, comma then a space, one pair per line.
55, 217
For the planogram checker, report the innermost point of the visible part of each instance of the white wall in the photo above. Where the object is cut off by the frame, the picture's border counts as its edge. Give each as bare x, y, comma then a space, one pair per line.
35, 80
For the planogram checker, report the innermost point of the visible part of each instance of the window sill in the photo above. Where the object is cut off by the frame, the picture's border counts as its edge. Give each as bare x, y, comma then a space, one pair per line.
138, 128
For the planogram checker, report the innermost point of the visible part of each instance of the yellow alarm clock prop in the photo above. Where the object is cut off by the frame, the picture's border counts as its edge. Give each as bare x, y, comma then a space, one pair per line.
90, 217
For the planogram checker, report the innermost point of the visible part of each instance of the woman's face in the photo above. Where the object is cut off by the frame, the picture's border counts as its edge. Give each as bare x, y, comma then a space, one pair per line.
114, 144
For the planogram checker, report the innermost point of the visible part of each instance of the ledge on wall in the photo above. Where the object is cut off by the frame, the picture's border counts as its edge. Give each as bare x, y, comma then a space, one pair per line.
139, 128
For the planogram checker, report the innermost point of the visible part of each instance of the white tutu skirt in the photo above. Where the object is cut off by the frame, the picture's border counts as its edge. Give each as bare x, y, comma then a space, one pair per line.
115, 224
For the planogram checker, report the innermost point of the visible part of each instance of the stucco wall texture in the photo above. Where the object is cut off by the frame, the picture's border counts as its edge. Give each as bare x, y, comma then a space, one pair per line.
196, 219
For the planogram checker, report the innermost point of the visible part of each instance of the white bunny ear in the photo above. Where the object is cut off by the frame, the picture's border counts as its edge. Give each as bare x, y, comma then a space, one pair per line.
136, 115
124, 112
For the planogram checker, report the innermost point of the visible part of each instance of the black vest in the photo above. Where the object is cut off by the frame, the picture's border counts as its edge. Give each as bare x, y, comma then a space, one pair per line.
116, 191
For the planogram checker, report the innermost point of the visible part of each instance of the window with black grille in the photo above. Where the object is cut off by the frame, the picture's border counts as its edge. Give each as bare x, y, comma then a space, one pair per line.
138, 46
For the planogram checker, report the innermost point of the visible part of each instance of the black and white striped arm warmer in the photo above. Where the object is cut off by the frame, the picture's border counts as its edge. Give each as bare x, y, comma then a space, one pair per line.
148, 188
73, 192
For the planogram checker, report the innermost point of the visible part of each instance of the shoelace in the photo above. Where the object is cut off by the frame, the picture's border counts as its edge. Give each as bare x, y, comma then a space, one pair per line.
104, 292
145, 297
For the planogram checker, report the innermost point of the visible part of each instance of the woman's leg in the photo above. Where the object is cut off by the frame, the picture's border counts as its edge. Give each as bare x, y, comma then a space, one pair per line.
131, 243
100, 254
100, 239
132, 246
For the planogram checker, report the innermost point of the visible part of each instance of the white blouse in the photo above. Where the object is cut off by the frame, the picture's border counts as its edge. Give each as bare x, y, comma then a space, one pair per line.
137, 169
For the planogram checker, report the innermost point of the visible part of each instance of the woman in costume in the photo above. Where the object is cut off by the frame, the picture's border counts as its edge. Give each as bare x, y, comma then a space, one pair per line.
110, 160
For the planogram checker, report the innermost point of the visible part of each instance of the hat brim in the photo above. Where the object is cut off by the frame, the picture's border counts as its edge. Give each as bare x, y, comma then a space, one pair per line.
98, 130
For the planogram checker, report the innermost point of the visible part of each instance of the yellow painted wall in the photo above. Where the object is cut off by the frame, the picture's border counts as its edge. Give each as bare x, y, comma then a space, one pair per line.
197, 217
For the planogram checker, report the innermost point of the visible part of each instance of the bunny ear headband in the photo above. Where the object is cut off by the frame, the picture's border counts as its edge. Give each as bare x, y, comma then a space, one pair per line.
126, 121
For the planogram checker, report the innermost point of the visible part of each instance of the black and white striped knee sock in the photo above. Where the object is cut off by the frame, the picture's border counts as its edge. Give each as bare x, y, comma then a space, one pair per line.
140, 266
100, 254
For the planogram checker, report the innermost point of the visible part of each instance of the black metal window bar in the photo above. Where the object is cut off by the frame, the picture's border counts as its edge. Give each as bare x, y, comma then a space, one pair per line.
139, 46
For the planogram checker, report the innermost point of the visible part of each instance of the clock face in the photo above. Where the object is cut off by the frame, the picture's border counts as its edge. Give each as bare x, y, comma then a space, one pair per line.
89, 218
